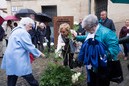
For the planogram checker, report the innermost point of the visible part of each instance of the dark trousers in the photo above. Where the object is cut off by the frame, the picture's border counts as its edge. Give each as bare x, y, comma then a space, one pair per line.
98, 79
68, 59
125, 49
6, 42
40, 46
48, 43
12, 79
34, 41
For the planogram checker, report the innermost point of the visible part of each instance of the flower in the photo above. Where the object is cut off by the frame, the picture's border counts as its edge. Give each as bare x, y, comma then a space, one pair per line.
58, 54
62, 44
52, 44
73, 32
75, 77
75, 22
44, 44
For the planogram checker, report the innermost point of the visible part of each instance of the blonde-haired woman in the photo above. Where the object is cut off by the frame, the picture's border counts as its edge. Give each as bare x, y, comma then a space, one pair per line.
65, 41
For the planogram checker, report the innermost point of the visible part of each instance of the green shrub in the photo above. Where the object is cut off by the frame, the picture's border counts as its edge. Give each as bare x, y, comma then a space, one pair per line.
76, 27
56, 75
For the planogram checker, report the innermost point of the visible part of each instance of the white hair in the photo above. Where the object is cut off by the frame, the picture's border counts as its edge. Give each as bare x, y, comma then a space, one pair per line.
90, 21
26, 20
42, 25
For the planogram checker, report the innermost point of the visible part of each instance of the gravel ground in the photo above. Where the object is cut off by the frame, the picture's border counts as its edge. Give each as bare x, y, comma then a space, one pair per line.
40, 64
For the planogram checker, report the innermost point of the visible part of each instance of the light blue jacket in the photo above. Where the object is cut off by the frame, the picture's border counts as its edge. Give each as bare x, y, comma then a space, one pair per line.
108, 37
16, 60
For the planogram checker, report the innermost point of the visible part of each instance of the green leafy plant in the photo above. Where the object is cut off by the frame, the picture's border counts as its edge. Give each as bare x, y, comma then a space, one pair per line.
49, 54
56, 75
76, 27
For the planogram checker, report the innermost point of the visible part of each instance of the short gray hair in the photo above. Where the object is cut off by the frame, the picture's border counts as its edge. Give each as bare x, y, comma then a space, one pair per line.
26, 20
90, 21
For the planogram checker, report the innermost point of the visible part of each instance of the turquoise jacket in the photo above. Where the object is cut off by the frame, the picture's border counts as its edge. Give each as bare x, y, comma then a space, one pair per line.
108, 37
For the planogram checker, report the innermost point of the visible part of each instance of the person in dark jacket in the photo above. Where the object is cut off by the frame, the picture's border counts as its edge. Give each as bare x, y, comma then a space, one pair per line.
33, 32
80, 30
41, 34
48, 34
2, 33
123, 33
105, 21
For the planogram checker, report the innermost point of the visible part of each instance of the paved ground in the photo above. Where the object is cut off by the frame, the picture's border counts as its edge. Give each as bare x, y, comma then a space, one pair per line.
39, 65
125, 73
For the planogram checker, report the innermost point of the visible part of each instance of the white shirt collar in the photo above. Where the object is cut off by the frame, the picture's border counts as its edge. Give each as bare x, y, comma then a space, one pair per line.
93, 34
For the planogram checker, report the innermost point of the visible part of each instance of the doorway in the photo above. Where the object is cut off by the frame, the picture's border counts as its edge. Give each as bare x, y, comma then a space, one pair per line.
50, 10
99, 6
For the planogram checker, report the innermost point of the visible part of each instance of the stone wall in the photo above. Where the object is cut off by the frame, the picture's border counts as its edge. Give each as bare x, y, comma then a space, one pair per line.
76, 8
118, 12
118, 26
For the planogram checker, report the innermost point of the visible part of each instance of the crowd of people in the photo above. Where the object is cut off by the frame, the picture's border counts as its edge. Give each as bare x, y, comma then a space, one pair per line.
27, 38
39, 33
24, 42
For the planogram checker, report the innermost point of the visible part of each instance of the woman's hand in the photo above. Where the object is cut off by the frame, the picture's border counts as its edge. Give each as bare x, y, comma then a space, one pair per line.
42, 55
74, 33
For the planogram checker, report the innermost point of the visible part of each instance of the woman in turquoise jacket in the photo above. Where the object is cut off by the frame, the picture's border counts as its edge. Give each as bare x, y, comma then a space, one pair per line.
104, 35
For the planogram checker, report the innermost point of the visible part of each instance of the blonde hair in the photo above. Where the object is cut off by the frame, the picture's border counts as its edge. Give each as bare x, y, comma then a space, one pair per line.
66, 26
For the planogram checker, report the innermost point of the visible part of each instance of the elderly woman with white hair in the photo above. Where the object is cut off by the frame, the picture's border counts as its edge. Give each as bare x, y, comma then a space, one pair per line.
16, 60
41, 32
108, 38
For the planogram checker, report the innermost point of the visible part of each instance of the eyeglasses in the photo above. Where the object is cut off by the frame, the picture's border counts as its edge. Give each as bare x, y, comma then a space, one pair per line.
90, 29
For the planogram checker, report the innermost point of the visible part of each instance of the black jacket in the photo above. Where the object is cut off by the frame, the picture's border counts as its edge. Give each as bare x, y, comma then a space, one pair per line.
2, 33
108, 23
48, 32
41, 34
80, 30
